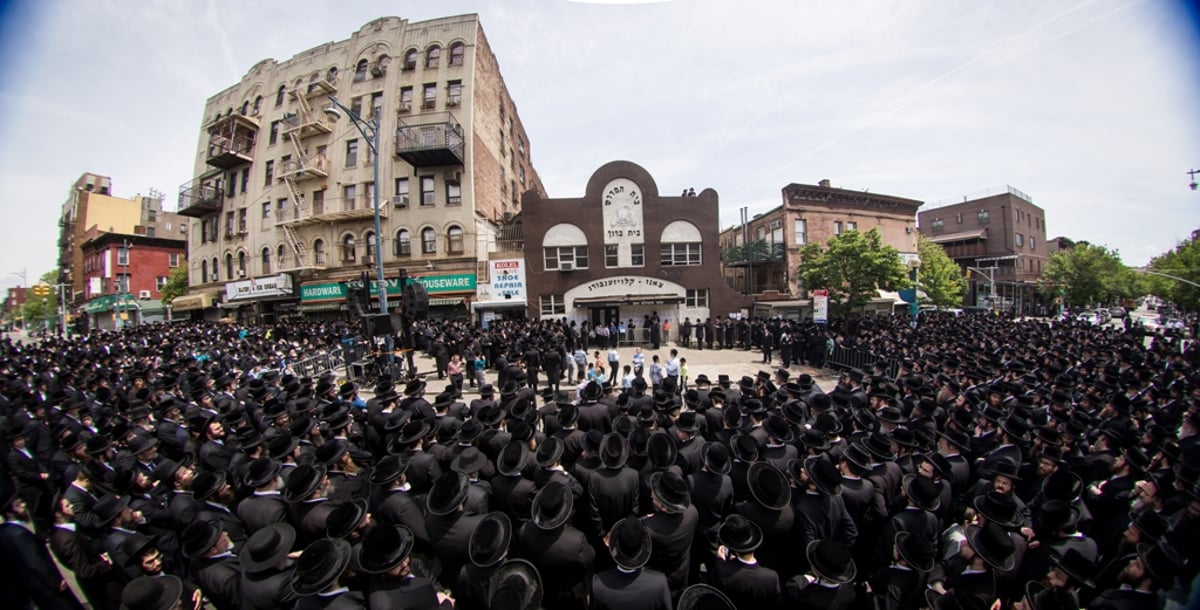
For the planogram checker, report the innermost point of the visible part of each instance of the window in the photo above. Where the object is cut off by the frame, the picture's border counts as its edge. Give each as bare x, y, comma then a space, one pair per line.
984, 216
318, 206
680, 255
610, 255
428, 241
279, 93
319, 252
245, 180
457, 51
242, 221
274, 137
837, 227
280, 253
851, 226
402, 188
429, 95
410, 59
454, 93
406, 97
377, 104
369, 248
351, 153
638, 255
433, 56
242, 263
173, 259
266, 210
454, 243
356, 105
229, 223
228, 266
369, 200
349, 197
281, 209
937, 224
121, 283
1020, 240
453, 193
1031, 244
348, 249
233, 184
427, 190
167, 227
403, 243
565, 257
214, 268
958, 218
213, 229
266, 261
203, 272
269, 173
801, 232
151, 216
553, 305
149, 231
360, 71
696, 298
521, 145
122, 255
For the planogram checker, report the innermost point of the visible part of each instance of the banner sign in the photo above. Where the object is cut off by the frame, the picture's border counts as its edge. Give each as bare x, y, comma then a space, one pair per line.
336, 291
820, 306
273, 286
508, 279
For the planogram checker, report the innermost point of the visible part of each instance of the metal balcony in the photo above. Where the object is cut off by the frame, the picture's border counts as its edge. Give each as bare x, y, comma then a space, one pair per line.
321, 86
430, 140
305, 169
200, 198
756, 253
305, 125
231, 141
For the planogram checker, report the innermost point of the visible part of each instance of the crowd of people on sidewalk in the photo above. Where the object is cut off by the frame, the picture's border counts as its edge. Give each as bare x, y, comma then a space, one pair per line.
1007, 464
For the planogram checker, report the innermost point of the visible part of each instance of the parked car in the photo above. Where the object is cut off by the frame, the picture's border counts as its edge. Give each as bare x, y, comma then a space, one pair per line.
1090, 317
1117, 312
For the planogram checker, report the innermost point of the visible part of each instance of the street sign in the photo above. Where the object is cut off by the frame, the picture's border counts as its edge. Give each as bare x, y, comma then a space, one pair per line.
821, 306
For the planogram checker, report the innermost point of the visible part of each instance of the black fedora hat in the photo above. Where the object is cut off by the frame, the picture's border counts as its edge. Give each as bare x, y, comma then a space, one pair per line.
629, 543
345, 518
1151, 526
488, 544
261, 472
958, 438
383, 547
412, 431
319, 565
448, 492
389, 469
552, 506
824, 475
1162, 562
198, 537
671, 491
515, 585
513, 458
768, 486
904, 437
470, 460
614, 451
591, 392
744, 447
549, 452
152, 593
998, 508
777, 428
703, 597
332, 451
265, 548
831, 560
303, 481
879, 445
1075, 565
282, 445
207, 483
1040, 597
993, 544
414, 387
1055, 515
1062, 485
716, 458
1006, 468
108, 507
916, 550
924, 492
858, 456
739, 534
469, 431
135, 546
661, 450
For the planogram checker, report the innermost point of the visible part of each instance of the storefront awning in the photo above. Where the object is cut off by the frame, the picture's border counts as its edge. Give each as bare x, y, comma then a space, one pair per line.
960, 236
448, 302
629, 299
190, 302
489, 305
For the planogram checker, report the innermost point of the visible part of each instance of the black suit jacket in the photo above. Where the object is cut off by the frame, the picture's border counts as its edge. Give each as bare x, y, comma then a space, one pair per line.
821, 516
219, 578
640, 590
350, 600
712, 496
404, 592
748, 586
776, 526
896, 588
269, 590
257, 512
800, 594
672, 535
450, 535
229, 521
31, 564
400, 508
563, 558
612, 496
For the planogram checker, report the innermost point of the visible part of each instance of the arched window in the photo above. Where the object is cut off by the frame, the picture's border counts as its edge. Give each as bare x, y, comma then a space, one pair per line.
266, 261
369, 247
257, 105
410, 59
348, 253
433, 56
680, 245
457, 51
245, 107
228, 266
203, 272
331, 75
319, 252
279, 95
564, 247
242, 263
403, 243
428, 241
360, 70
454, 240
280, 257
382, 62
215, 269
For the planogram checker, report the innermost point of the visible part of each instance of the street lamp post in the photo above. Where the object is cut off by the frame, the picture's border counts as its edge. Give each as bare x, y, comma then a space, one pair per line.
990, 274
369, 128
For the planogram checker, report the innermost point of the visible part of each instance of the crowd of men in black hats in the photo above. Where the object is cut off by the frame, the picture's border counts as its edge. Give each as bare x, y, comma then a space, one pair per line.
1031, 465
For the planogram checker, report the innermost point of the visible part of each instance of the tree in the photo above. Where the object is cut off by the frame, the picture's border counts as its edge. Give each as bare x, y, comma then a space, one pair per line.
38, 310
1089, 274
176, 285
1182, 261
941, 279
851, 267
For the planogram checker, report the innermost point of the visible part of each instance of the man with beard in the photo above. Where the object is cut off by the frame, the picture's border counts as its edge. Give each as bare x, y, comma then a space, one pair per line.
1153, 569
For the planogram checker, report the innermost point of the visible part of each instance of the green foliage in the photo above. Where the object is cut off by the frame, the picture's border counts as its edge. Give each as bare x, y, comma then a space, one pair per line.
40, 311
176, 285
1182, 261
940, 278
851, 267
756, 251
1088, 274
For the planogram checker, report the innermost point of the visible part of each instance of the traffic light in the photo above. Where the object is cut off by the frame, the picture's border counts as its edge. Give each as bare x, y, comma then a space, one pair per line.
41, 290
967, 274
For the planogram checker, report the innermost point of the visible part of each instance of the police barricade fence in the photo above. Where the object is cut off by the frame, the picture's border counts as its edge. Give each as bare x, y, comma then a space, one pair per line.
846, 358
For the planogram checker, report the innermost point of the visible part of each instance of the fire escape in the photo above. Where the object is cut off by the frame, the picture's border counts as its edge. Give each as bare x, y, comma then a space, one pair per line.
298, 126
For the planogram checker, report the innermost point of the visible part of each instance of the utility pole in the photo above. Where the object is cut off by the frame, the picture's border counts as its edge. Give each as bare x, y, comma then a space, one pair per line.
990, 274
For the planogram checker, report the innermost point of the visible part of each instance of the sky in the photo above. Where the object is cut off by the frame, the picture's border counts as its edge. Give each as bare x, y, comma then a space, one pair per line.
1092, 107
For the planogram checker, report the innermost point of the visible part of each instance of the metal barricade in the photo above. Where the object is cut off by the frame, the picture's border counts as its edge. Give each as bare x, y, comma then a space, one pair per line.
844, 359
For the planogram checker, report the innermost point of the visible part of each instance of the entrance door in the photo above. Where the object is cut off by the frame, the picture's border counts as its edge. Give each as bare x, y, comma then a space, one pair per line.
604, 315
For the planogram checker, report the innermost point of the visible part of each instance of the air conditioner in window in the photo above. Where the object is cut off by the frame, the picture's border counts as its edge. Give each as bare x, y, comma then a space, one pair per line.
241, 273
454, 101
566, 266
400, 201
144, 294
378, 70
453, 177
405, 106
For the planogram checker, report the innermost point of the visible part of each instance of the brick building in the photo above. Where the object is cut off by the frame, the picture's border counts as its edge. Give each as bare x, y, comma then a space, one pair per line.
281, 188
622, 251
13, 302
999, 237
126, 274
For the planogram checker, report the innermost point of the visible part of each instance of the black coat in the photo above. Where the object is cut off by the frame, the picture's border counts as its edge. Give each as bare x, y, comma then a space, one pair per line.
450, 535
413, 593
800, 594
821, 516
563, 558
400, 508
219, 578
229, 521
897, 588
776, 526
612, 496
748, 586
712, 496
257, 512
100, 583
513, 496
27, 561
1116, 599
350, 600
268, 590
672, 535
640, 590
